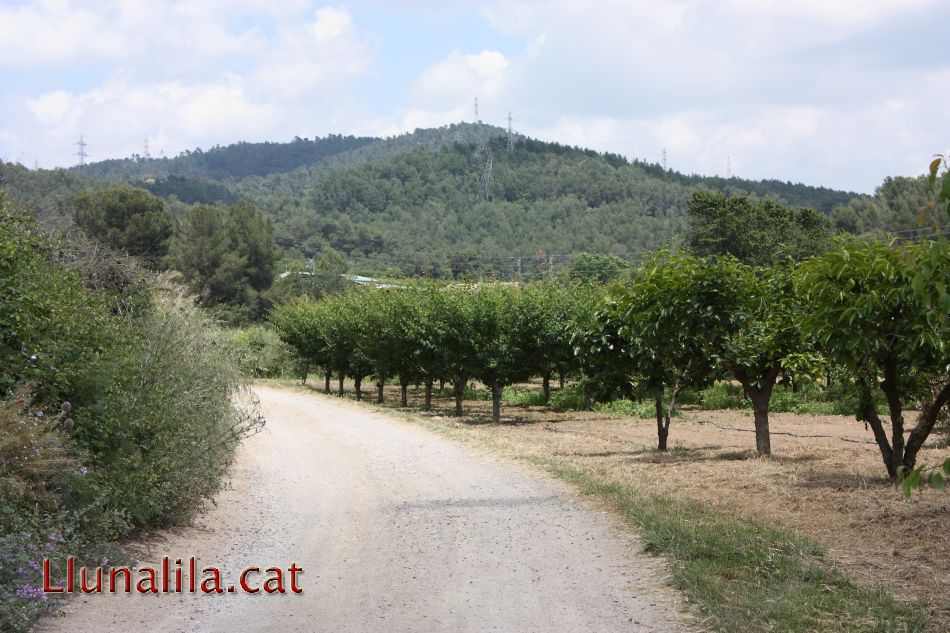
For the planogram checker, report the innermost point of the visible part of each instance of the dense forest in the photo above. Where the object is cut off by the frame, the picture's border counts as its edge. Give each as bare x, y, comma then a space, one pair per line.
449, 201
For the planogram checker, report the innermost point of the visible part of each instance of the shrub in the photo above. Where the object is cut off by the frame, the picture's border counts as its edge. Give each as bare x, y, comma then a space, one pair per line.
521, 397
258, 352
725, 395
630, 408
161, 433
570, 398
117, 407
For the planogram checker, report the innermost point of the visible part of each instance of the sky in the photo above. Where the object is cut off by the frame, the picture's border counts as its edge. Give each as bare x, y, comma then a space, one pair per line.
841, 93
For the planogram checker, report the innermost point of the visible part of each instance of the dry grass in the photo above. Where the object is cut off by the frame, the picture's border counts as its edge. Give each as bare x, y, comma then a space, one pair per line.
825, 481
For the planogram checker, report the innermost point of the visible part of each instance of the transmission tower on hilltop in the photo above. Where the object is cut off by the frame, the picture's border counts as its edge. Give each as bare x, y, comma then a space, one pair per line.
728, 166
484, 185
511, 138
146, 155
81, 144
476, 110
664, 159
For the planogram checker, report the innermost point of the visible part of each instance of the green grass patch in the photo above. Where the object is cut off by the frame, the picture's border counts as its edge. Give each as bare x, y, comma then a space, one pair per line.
745, 577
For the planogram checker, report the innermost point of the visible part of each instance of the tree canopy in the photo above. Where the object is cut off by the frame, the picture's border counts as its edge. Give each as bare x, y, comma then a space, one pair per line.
126, 219
757, 232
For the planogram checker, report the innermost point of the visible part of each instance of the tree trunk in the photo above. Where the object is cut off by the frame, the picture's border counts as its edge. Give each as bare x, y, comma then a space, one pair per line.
561, 379
441, 384
459, 392
588, 399
404, 392
760, 412
358, 387
340, 378
925, 424
546, 387
427, 406
889, 387
867, 413
760, 405
380, 386
304, 372
327, 375
662, 430
496, 392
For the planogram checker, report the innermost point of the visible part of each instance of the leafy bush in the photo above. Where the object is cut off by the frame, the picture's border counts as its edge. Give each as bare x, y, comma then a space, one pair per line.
725, 395
570, 398
258, 352
631, 408
471, 393
116, 407
163, 425
520, 396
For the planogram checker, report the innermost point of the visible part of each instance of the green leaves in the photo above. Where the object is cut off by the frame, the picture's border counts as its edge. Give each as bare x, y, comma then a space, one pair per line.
878, 310
757, 232
933, 169
914, 479
127, 219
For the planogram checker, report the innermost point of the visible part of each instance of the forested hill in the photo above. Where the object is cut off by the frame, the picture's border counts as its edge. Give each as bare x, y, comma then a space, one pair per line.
241, 160
436, 202
232, 162
476, 206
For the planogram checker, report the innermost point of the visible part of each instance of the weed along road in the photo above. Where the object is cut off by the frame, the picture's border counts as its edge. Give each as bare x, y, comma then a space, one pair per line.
395, 529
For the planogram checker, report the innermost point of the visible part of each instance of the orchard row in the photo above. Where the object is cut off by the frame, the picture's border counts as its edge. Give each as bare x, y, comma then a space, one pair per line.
878, 313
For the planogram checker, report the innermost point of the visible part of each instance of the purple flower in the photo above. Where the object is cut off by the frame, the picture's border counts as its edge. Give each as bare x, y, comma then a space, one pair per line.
29, 592
83, 471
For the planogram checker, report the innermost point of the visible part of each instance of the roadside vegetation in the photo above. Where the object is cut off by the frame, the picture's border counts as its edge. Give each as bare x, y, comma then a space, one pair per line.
117, 407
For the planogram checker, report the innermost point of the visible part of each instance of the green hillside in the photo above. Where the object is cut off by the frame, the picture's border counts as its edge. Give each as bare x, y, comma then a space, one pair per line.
477, 207
232, 162
437, 202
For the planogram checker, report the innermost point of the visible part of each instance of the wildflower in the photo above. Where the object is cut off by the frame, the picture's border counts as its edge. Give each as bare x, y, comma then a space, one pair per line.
83, 471
28, 591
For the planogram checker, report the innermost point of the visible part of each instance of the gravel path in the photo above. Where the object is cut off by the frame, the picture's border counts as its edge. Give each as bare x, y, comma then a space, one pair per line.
396, 530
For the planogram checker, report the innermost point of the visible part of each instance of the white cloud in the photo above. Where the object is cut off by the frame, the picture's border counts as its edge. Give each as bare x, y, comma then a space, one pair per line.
451, 84
839, 93
331, 23
184, 74
791, 90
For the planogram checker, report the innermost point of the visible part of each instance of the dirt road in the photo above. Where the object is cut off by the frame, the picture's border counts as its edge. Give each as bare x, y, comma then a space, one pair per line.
396, 530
